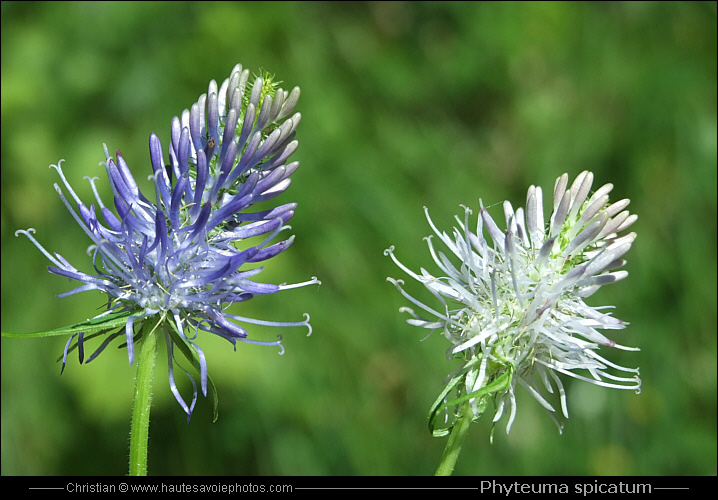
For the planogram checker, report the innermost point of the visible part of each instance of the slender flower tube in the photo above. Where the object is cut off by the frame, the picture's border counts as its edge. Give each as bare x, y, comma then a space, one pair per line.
177, 259
513, 307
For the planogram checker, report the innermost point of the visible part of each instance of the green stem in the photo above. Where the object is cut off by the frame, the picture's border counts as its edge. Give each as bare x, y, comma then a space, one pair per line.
456, 439
140, 425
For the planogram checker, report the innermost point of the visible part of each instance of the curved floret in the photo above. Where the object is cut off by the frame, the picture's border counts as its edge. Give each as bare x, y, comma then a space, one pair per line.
180, 257
513, 307
236, 139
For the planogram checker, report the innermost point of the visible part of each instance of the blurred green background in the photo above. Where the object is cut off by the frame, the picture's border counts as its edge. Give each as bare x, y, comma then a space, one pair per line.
404, 104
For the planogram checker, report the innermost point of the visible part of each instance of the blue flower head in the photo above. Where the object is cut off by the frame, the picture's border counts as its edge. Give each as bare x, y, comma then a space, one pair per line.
174, 261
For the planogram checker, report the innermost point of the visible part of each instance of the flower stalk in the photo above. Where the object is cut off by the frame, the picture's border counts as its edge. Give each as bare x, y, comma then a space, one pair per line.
455, 441
142, 403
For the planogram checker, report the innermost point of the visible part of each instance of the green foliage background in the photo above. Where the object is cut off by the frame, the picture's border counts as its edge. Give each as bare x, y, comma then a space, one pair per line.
404, 104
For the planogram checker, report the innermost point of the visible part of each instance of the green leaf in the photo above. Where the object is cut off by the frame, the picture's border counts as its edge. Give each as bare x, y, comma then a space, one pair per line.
455, 380
91, 326
501, 383
438, 403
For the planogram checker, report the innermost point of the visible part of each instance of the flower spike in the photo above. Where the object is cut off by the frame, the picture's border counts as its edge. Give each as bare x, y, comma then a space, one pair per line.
183, 258
513, 307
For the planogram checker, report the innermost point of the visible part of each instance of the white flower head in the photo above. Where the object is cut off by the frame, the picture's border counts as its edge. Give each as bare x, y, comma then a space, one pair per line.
513, 306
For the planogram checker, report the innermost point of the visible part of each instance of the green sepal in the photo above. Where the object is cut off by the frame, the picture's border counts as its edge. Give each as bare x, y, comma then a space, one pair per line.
502, 382
95, 326
191, 354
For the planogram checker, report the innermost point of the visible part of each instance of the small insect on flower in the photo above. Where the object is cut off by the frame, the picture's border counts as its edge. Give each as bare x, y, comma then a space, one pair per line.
511, 303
